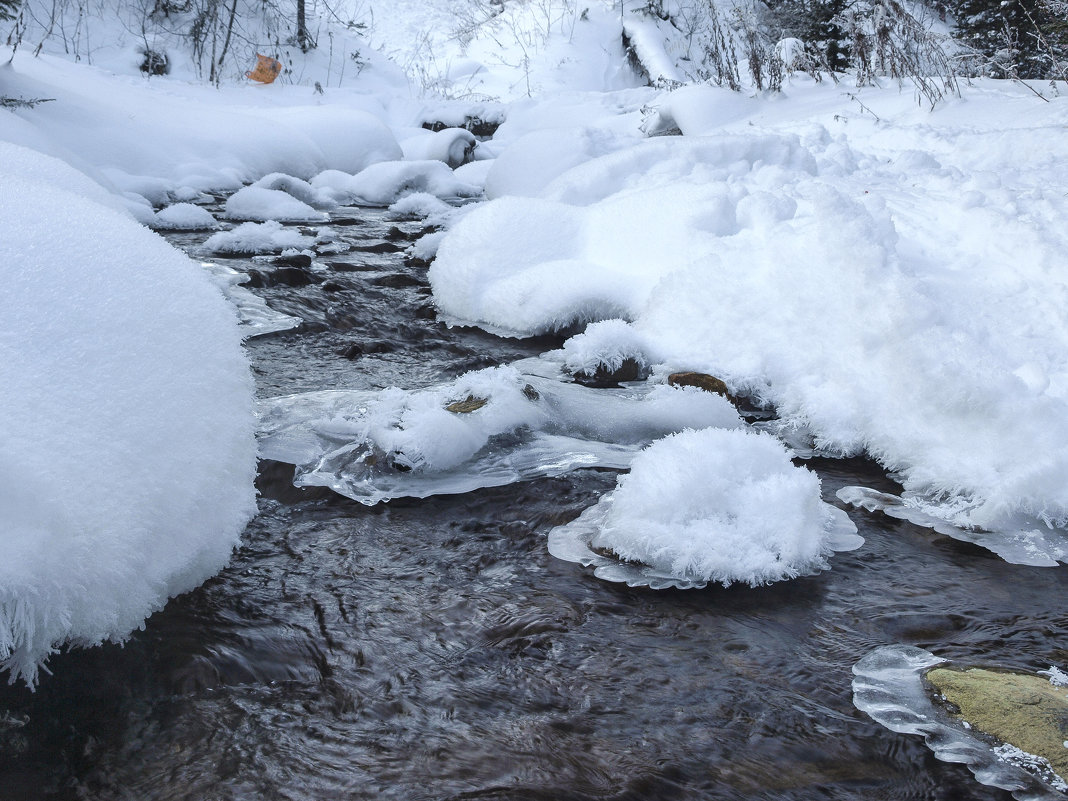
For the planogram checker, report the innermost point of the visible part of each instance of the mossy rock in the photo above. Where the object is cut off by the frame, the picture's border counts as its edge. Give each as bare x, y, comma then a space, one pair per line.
467, 405
1023, 710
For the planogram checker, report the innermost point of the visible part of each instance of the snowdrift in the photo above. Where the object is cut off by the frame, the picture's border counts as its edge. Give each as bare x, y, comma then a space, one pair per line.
127, 460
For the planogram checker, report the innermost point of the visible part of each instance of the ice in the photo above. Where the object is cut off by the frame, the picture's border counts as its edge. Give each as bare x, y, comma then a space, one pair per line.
255, 317
258, 203
1029, 542
888, 686
504, 426
126, 473
259, 238
714, 505
387, 182
184, 217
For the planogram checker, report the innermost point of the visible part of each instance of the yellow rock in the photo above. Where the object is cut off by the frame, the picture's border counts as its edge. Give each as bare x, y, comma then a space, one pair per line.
1022, 710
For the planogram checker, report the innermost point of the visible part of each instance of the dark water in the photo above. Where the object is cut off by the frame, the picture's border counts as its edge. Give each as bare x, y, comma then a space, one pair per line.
433, 649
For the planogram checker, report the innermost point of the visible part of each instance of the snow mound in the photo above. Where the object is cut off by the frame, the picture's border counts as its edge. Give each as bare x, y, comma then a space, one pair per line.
184, 217
250, 237
261, 204
487, 428
420, 206
301, 190
453, 146
386, 182
128, 458
714, 505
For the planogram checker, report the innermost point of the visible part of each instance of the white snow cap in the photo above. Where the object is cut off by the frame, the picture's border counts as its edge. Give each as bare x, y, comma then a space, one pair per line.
127, 458
717, 505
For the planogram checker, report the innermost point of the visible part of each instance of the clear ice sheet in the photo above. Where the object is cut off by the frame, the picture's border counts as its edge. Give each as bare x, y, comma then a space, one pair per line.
255, 317
372, 446
1027, 542
888, 686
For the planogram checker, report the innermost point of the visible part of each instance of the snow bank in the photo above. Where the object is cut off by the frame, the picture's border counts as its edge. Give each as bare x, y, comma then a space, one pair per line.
534, 159
153, 141
487, 428
711, 506
127, 462
384, 183
856, 279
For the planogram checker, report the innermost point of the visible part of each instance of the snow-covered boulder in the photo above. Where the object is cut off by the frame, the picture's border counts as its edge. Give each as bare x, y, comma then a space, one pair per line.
127, 461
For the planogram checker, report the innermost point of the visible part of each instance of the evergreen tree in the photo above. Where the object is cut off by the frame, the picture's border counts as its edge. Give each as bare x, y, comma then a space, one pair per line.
1013, 38
9, 8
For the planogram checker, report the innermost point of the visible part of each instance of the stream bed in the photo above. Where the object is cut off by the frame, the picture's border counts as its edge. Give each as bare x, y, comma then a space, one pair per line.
433, 649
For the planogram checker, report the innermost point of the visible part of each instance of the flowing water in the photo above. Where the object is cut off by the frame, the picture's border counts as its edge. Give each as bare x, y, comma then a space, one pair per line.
433, 649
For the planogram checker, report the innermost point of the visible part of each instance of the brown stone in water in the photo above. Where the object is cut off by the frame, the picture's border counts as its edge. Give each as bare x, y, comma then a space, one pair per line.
1023, 710
703, 381
468, 405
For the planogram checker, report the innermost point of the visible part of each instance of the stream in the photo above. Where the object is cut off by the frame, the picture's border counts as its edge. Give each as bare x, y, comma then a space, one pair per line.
433, 649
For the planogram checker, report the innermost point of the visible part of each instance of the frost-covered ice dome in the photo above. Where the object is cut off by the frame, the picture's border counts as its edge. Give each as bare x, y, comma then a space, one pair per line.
127, 458
715, 505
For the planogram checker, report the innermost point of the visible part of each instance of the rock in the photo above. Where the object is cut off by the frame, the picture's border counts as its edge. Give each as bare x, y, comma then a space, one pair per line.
396, 281
358, 349
1020, 709
299, 260
602, 377
703, 381
468, 405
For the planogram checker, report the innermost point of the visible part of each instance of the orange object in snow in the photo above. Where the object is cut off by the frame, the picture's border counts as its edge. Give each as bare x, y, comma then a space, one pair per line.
266, 69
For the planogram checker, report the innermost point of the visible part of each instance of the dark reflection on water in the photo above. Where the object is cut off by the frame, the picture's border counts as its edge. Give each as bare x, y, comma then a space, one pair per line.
433, 649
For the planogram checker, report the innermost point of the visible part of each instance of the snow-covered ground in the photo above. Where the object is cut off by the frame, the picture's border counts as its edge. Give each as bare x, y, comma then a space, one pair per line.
891, 279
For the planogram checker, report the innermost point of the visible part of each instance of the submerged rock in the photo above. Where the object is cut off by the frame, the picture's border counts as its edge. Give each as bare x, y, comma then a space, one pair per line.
1022, 710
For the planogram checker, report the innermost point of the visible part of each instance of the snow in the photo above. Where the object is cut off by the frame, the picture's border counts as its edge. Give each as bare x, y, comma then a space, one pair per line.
385, 183
184, 217
258, 203
850, 273
128, 457
715, 505
454, 146
257, 238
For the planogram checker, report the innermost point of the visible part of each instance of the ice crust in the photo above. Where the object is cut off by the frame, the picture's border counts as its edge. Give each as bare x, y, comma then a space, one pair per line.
373, 446
709, 506
888, 686
128, 456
